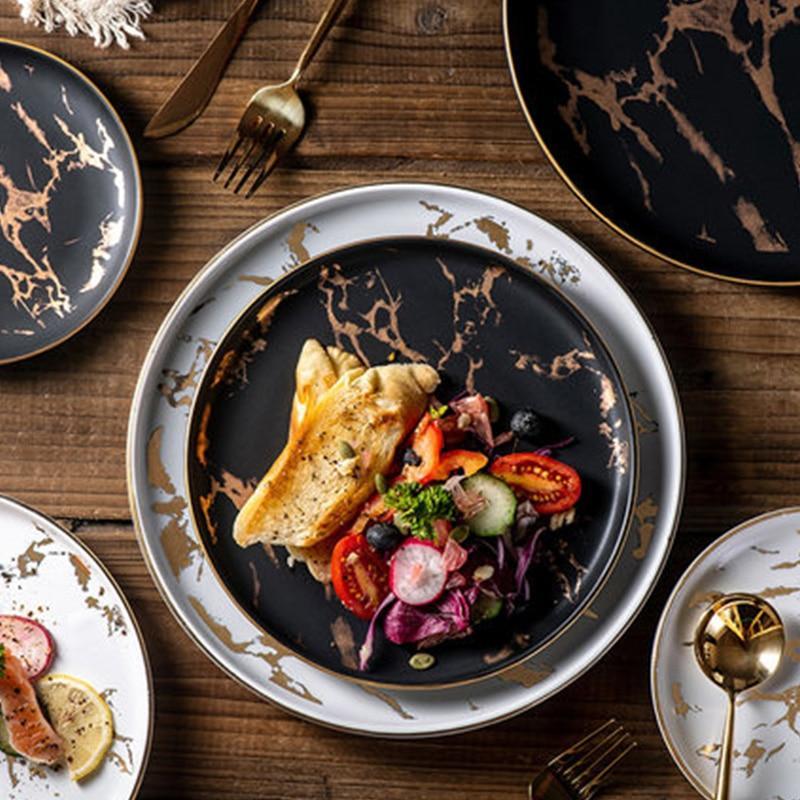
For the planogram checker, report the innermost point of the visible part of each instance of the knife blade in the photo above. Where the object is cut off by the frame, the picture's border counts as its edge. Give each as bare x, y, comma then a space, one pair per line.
190, 97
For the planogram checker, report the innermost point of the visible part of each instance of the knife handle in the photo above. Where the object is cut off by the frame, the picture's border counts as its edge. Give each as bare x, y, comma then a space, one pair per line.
327, 21
224, 43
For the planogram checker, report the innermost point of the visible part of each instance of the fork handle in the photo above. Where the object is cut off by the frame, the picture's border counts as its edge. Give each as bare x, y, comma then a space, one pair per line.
326, 22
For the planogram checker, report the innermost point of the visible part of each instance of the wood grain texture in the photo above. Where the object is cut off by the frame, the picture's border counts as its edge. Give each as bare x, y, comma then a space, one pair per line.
405, 89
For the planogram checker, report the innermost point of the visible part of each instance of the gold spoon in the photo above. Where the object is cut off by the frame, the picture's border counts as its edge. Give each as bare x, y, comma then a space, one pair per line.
738, 644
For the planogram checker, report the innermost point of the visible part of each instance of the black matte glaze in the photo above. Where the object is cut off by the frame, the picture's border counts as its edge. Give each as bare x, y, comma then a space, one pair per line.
705, 169
248, 423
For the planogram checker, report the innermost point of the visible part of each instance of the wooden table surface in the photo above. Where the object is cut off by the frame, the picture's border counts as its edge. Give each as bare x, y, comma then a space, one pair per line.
405, 89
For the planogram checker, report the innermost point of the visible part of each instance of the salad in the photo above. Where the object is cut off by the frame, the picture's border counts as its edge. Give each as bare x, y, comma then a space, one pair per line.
446, 542
49, 719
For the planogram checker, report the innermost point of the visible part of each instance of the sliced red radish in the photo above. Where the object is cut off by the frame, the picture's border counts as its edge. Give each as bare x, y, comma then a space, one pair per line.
30, 642
417, 573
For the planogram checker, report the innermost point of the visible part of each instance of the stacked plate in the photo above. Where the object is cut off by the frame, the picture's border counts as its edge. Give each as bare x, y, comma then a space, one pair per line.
491, 295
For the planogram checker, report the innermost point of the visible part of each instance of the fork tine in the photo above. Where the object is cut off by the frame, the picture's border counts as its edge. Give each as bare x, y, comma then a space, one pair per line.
562, 759
590, 788
267, 168
265, 152
608, 745
580, 762
230, 152
252, 143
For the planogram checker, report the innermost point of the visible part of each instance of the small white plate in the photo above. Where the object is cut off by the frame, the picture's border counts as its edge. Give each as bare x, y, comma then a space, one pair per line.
761, 556
45, 572
172, 369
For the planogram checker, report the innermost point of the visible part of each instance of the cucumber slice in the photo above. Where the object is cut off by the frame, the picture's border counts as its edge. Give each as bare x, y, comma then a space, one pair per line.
501, 505
5, 747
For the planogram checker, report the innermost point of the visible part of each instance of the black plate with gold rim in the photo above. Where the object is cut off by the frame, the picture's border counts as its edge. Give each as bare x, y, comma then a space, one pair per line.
675, 122
479, 319
70, 201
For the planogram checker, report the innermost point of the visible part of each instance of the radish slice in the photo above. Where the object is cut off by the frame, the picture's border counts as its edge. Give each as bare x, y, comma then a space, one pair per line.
30, 642
417, 574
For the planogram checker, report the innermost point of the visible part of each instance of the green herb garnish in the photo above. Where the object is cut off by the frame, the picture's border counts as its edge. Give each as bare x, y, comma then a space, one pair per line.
437, 412
418, 506
2, 661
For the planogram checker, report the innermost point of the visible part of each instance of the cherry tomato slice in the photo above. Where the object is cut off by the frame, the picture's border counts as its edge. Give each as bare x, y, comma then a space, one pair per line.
427, 443
469, 461
360, 576
552, 485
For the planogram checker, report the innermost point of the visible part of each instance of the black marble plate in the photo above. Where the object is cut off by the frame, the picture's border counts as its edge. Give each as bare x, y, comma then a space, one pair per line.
481, 320
677, 122
70, 201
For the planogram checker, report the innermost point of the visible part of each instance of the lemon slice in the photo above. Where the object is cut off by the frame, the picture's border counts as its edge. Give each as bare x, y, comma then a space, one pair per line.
83, 720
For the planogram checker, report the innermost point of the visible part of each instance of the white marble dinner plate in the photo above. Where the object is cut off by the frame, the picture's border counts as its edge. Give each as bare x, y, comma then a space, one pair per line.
46, 573
181, 348
760, 556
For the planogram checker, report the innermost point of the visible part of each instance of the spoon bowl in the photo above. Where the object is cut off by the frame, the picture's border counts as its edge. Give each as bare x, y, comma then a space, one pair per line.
738, 644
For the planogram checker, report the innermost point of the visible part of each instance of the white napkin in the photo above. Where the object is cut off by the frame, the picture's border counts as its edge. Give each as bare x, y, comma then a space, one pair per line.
106, 21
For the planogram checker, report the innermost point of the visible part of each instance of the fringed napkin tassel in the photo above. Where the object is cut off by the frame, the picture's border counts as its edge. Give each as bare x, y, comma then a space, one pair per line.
106, 21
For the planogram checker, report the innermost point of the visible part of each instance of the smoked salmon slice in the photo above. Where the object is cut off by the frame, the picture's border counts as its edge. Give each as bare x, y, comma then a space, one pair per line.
29, 733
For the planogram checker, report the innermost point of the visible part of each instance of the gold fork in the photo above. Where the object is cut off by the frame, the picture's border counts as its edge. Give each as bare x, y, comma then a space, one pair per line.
578, 773
273, 120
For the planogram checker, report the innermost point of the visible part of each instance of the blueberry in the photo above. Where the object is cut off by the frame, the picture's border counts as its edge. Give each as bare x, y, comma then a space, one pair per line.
383, 537
411, 458
527, 424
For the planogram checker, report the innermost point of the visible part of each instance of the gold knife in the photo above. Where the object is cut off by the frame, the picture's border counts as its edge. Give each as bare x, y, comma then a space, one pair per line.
193, 93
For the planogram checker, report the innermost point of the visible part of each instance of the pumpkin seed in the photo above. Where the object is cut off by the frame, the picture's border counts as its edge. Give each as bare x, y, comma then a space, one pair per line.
421, 661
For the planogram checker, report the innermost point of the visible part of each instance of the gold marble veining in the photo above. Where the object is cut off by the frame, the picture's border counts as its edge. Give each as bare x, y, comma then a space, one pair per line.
82, 571
226, 485
790, 698
232, 367
296, 242
111, 613
645, 514
644, 421
526, 675
271, 655
477, 298
615, 92
179, 548
178, 387
256, 595
556, 268
29, 561
572, 362
335, 288
344, 641
473, 307
37, 286
124, 763
391, 701
703, 598
679, 704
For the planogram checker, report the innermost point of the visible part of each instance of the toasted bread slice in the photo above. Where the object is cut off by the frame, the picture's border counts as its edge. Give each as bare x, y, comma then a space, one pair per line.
312, 490
318, 368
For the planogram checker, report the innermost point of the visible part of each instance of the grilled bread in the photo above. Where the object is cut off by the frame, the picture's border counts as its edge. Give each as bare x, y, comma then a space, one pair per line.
327, 469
